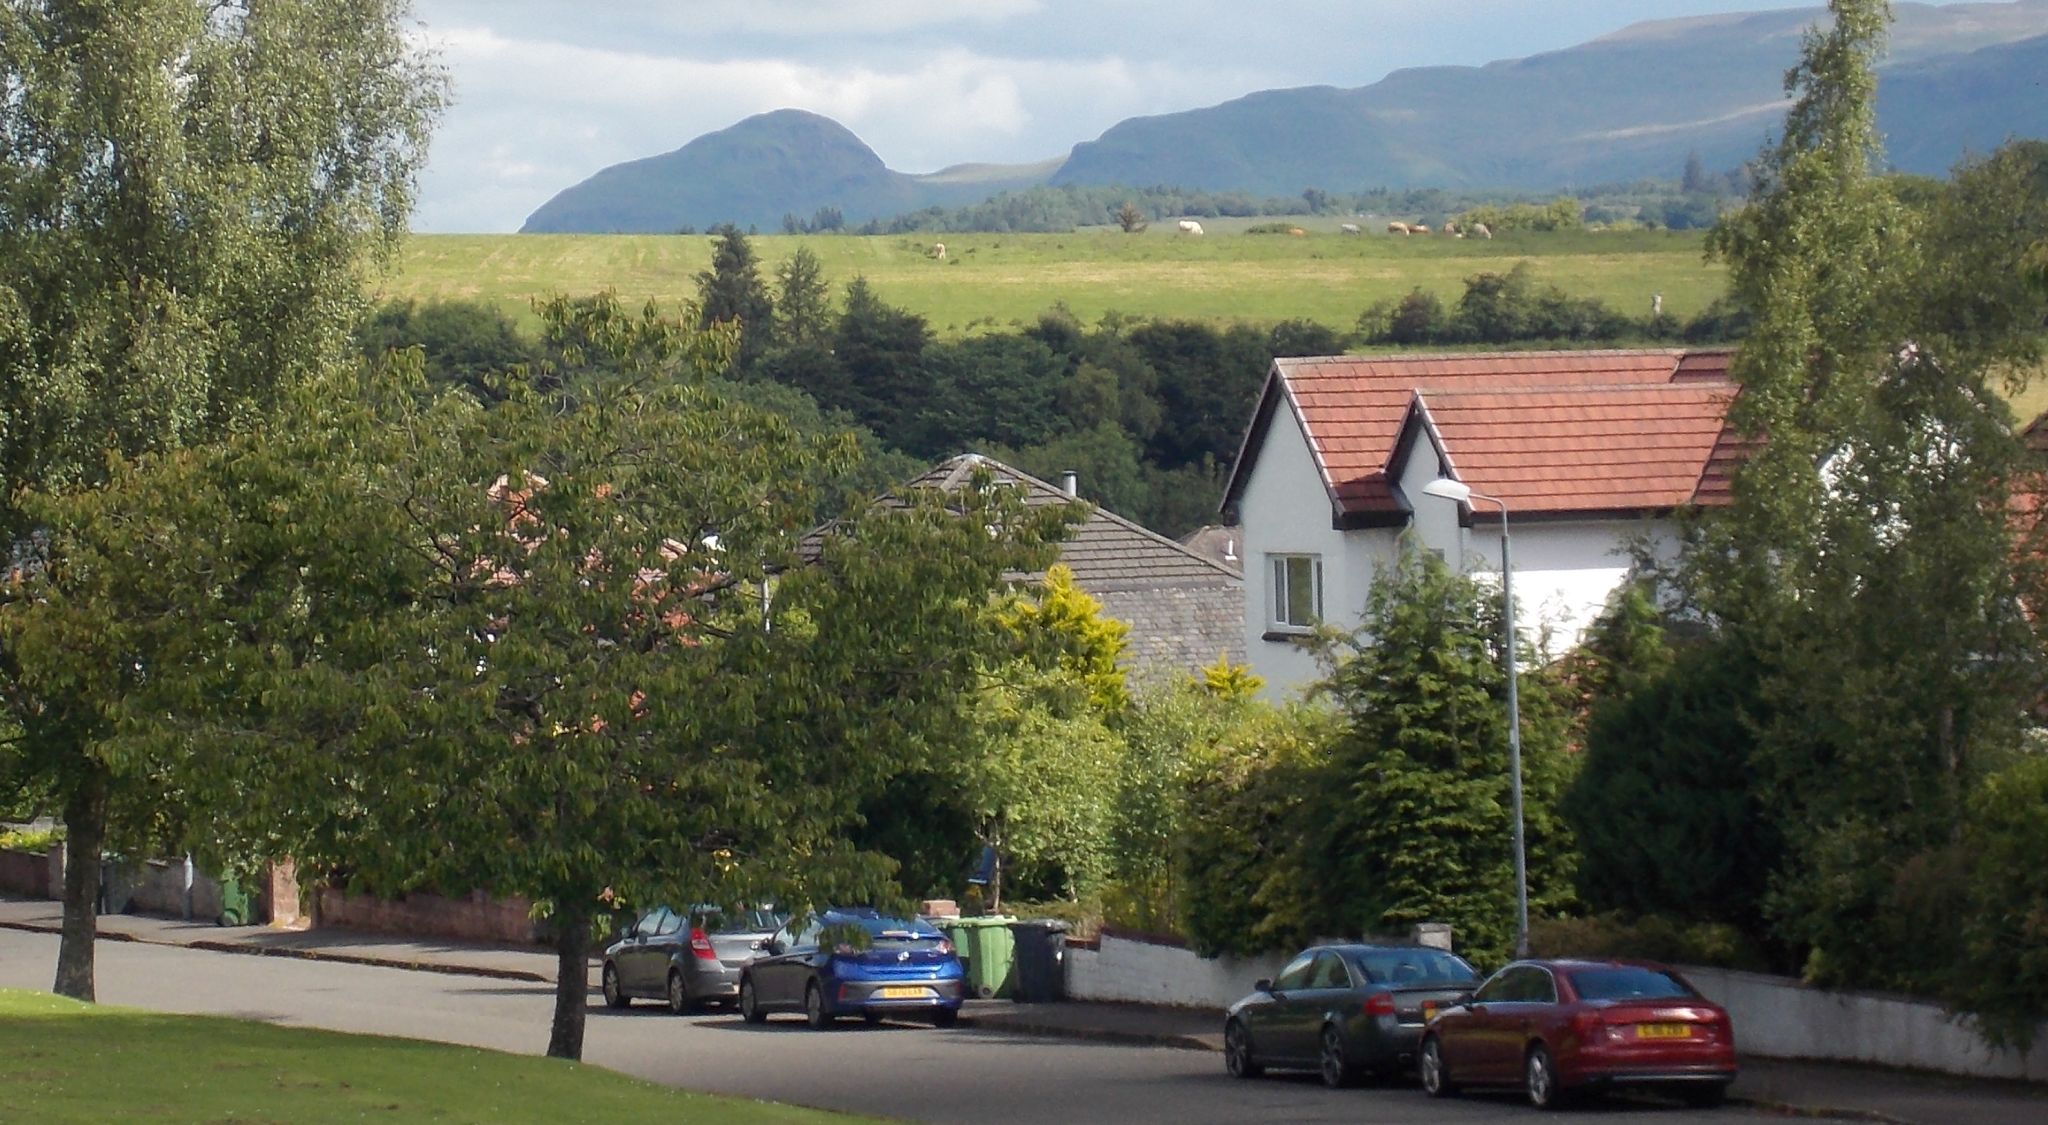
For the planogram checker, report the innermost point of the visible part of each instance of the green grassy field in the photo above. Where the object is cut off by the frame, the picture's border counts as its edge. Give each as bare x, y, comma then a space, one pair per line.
62, 1061
999, 281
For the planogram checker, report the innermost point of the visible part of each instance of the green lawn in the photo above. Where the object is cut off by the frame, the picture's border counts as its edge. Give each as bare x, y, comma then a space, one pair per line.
61, 1061
1002, 280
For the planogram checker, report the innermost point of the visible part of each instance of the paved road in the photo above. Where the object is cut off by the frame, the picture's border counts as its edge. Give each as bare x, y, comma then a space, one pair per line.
917, 1073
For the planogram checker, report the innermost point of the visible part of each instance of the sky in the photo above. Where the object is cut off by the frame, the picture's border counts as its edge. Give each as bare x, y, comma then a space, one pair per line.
547, 92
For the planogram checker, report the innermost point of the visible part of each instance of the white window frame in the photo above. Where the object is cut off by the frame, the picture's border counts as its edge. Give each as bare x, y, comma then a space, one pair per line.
1282, 589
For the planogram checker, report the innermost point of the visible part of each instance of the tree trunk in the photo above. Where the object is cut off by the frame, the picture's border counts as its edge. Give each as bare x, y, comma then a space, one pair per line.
572, 980
85, 826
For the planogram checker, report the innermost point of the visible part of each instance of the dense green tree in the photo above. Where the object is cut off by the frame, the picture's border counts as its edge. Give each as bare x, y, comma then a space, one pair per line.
985, 389
880, 353
191, 193
1975, 305
1867, 561
732, 292
464, 343
1666, 806
1413, 820
803, 302
1214, 383
562, 674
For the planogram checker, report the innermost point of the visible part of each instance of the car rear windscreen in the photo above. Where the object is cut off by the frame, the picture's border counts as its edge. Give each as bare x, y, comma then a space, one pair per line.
1627, 982
898, 934
715, 921
1401, 967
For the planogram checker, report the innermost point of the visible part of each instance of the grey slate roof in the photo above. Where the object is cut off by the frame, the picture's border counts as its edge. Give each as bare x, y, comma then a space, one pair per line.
1184, 610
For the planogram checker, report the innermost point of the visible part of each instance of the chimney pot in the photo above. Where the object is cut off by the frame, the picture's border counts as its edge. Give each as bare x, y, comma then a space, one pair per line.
1070, 483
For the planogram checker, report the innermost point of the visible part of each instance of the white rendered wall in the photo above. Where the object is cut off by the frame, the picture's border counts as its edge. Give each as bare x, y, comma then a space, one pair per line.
1286, 510
1564, 572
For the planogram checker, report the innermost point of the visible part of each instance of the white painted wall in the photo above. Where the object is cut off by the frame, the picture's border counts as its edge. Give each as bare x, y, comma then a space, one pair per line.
1564, 572
1286, 510
1140, 972
1777, 1017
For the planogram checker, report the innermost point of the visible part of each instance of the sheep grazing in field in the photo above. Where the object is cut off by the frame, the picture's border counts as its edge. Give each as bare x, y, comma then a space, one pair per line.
1450, 227
1296, 232
1189, 226
1348, 228
1481, 230
1399, 228
1420, 228
938, 251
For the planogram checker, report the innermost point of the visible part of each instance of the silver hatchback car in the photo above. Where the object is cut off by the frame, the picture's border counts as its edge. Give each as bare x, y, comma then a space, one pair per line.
689, 960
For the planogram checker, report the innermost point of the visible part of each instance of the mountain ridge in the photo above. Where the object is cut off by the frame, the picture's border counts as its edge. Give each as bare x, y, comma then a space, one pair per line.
1632, 104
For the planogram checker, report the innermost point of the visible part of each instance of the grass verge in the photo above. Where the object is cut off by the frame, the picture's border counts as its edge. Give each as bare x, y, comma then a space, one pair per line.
64, 1061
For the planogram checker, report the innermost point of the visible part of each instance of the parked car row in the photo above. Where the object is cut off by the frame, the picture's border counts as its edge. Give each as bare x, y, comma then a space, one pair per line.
1553, 1029
848, 961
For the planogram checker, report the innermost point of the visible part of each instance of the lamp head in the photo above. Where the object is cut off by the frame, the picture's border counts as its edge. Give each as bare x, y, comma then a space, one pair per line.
1444, 488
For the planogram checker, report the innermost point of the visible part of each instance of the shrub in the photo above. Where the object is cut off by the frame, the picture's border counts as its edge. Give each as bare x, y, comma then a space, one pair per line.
1244, 882
1652, 937
2001, 974
30, 839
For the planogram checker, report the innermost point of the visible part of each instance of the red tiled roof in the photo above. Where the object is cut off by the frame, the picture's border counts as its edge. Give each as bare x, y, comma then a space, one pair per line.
1629, 448
1556, 432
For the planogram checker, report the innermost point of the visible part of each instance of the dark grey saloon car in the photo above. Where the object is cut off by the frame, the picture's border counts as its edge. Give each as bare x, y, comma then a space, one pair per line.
1348, 1012
689, 959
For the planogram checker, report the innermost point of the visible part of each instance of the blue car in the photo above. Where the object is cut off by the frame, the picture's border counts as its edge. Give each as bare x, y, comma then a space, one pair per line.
854, 961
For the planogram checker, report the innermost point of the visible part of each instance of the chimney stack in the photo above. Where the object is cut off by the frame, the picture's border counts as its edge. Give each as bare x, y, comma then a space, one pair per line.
1070, 483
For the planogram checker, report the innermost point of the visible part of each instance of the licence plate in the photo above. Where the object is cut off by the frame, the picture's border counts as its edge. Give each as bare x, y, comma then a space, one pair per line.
899, 992
1663, 1031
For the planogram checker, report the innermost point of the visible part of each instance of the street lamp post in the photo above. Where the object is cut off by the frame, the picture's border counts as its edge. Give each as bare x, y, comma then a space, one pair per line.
1445, 488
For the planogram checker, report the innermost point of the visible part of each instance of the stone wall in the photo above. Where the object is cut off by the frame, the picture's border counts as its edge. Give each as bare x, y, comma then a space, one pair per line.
474, 917
157, 886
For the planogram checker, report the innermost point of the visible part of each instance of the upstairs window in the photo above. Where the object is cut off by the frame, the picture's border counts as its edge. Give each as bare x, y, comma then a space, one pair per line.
1297, 592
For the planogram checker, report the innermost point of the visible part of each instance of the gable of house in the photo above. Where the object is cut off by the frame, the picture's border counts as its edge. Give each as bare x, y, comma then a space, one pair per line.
1561, 434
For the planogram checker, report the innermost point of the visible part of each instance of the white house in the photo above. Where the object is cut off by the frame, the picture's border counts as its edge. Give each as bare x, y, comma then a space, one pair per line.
1592, 452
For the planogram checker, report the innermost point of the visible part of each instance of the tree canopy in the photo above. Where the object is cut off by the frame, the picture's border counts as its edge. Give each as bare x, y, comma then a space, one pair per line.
191, 196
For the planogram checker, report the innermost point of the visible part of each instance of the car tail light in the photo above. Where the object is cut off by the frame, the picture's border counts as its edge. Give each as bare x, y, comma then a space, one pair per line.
1588, 1026
1379, 1004
700, 944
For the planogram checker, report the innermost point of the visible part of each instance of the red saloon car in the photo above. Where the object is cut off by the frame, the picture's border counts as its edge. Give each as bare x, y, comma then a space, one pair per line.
1556, 1028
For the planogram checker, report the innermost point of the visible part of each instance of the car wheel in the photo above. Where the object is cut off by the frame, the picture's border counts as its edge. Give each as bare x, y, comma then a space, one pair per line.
1541, 1079
750, 1004
613, 998
679, 1000
945, 1017
1429, 1065
1705, 1097
814, 1008
1237, 1051
1337, 1071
